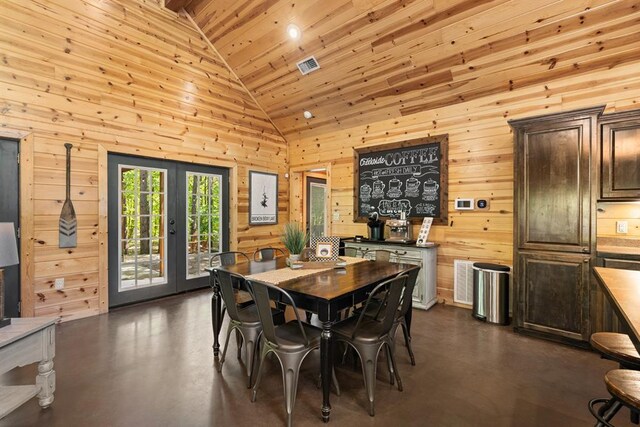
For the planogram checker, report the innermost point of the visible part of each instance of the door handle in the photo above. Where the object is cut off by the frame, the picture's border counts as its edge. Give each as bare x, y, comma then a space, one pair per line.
172, 231
172, 222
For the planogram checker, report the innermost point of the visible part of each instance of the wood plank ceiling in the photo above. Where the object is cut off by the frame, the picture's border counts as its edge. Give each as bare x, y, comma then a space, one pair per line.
383, 59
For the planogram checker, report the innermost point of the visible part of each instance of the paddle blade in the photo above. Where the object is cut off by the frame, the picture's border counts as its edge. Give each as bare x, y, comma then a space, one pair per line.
68, 226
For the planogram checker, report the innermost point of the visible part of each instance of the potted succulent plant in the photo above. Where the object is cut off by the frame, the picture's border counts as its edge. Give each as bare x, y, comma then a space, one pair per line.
294, 239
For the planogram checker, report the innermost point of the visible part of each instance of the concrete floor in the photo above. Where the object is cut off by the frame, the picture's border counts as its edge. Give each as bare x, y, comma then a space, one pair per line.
152, 365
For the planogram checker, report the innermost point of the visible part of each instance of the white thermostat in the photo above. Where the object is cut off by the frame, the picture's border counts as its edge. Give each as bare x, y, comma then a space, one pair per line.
464, 204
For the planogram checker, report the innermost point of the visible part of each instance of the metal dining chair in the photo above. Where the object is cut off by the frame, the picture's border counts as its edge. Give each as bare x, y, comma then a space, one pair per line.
242, 319
290, 342
367, 335
267, 254
242, 298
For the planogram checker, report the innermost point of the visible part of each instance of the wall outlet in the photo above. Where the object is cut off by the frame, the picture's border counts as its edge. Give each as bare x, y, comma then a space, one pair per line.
59, 284
622, 227
336, 215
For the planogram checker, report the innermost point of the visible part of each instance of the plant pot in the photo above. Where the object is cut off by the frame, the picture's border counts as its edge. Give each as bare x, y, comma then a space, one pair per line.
293, 258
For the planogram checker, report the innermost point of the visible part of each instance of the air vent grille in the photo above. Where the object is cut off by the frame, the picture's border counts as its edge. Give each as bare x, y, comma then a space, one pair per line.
308, 65
463, 281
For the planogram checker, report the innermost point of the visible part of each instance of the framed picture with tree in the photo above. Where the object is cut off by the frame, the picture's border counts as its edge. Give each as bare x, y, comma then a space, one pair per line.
263, 198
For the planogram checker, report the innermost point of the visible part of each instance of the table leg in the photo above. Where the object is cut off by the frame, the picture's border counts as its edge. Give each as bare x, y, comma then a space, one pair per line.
326, 365
216, 314
46, 381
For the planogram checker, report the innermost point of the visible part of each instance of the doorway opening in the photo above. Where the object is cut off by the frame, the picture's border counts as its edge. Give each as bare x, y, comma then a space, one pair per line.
10, 212
166, 220
310, 198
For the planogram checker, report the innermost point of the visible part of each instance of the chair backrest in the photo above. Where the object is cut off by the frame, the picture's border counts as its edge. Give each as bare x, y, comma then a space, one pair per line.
267, 254
391, 290
223, 259
262, 294
407, 295
378, 254
226, 280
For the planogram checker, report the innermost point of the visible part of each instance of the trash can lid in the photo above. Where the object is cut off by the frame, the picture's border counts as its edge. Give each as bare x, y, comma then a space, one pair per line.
488, 266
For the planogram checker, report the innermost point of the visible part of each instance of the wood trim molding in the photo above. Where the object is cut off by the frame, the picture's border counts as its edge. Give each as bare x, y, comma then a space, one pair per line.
233, 208
27, 227
103, 230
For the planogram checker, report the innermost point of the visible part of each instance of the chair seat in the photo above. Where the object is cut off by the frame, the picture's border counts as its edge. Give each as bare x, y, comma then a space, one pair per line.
290, 338
625, 385
369, 330
616, 346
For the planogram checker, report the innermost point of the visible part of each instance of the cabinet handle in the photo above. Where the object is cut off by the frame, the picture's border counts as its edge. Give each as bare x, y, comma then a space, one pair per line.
401, 253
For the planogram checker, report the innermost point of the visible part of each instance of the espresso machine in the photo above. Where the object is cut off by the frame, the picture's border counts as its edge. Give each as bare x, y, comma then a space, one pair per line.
399, 229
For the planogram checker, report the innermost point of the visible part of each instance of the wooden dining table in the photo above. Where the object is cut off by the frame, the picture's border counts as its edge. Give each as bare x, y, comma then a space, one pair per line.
622, 289
324, 293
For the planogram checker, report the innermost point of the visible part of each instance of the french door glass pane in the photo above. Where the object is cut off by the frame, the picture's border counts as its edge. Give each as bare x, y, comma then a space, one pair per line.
317, 209
204, 221
142, 227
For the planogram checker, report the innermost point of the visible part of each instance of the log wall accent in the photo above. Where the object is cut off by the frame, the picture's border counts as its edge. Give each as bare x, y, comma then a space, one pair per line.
124, 76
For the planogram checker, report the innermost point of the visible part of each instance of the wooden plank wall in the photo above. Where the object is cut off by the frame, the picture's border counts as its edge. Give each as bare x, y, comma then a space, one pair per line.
611, 212
125, 76
481, 160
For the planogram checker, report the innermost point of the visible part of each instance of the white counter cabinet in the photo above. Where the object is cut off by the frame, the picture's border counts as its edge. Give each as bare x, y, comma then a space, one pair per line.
424, 294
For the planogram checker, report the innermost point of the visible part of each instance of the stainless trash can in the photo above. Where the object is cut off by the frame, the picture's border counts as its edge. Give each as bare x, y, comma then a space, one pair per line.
491, 292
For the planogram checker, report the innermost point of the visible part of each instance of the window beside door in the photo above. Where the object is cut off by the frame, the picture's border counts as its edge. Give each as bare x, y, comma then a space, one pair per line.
204, 221
143, 228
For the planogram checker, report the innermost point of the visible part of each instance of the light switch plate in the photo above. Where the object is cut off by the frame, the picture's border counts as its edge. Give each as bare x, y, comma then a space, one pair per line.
622, 227
59, 284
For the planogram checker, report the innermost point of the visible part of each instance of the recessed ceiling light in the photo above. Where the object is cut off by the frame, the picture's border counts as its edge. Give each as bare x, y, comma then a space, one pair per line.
307, 114
294, 31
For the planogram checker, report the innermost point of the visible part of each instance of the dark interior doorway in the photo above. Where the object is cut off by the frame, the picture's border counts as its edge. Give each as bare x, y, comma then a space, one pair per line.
10, 212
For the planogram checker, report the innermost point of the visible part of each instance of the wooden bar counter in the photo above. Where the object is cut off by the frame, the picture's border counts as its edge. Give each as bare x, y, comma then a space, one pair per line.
622, 288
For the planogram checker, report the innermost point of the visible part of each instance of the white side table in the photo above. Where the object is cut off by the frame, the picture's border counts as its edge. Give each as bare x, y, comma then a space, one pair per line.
26, 341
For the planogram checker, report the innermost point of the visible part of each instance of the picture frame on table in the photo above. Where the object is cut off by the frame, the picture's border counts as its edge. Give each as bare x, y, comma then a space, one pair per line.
263, 198
324, 248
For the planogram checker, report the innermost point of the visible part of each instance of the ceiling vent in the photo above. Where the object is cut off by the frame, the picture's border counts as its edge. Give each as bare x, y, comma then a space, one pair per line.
308, 65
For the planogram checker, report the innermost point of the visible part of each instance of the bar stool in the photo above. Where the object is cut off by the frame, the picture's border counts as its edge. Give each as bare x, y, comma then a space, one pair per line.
624, 387
617, 347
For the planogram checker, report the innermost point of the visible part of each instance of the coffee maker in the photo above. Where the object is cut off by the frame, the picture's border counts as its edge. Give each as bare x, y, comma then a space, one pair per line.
399, 229
376, 227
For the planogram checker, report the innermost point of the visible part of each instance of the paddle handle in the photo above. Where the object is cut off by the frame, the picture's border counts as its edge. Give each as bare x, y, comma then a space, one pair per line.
68, 147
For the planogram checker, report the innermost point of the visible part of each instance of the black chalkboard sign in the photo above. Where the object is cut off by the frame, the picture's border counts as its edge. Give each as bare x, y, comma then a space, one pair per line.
409, 176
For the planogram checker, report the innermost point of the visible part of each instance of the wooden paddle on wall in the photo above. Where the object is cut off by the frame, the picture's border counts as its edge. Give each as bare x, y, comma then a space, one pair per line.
68, 223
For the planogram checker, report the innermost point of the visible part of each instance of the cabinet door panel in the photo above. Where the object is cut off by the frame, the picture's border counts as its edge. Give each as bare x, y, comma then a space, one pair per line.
621, 156
555, 293
554, 187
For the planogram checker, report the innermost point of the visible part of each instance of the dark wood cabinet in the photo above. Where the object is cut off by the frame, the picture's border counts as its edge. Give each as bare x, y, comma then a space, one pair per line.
620, 172
555, 187
554, 292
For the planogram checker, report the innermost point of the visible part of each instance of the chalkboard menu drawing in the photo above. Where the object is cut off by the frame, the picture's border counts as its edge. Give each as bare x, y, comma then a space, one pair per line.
409, 176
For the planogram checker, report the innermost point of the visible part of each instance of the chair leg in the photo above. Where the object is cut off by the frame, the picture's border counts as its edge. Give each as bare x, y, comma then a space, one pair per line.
368, 357
606, 412
239, 340
407, 341
290, 372
263, 356
393, 363
250, 341
635, 417
226, 346
387, 353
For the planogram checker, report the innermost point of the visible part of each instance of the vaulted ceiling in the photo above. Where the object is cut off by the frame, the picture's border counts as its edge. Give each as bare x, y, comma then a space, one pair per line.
382, 59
